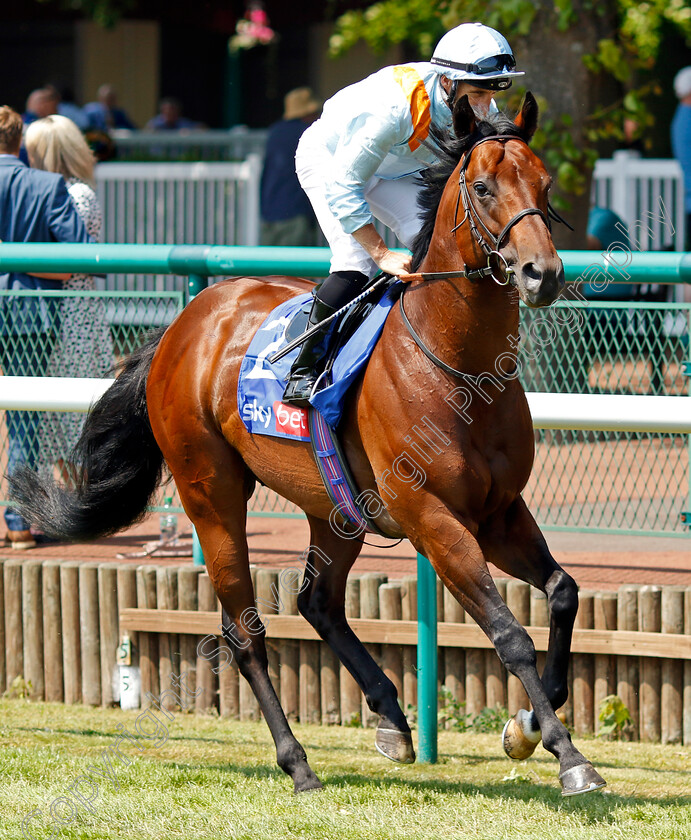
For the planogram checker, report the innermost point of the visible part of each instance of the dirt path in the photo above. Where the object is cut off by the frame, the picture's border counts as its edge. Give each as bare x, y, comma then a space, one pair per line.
596, 561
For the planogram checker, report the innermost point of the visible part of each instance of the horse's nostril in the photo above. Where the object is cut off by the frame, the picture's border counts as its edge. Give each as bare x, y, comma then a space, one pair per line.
532, 271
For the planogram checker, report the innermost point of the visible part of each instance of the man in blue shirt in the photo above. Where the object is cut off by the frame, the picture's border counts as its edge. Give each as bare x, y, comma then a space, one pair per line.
34, 207
681, 139
287, 216
104, 114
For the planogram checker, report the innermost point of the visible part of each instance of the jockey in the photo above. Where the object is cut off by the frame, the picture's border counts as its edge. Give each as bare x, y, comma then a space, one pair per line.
361, 159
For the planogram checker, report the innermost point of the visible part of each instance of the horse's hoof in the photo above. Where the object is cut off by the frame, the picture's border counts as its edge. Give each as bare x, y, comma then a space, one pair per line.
519, 739
396, 745
307, 784
580, 779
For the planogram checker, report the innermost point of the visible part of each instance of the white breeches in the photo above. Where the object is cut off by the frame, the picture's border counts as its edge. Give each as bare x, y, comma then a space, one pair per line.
392, 202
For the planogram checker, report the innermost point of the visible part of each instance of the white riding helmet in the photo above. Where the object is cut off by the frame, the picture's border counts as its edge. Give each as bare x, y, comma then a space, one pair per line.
475, 53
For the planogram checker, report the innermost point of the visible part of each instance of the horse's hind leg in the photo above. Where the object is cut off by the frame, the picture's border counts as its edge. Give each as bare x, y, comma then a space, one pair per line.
516, 546
321, 601
464, 571
215, 498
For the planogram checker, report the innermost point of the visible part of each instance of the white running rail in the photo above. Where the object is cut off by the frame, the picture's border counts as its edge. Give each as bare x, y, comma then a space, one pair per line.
596, 412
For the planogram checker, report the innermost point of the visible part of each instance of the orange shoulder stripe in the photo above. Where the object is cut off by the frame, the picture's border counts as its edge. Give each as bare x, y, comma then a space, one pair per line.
414, 89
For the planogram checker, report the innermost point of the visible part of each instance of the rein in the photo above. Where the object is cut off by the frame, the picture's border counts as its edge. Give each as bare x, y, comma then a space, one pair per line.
459, 374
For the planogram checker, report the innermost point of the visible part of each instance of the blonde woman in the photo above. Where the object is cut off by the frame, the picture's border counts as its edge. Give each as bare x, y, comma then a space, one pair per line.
84, 347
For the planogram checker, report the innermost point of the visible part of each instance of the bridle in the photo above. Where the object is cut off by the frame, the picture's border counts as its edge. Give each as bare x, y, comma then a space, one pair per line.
496, 261
491, 249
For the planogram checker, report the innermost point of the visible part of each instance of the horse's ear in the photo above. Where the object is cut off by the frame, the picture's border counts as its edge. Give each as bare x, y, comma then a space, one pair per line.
463, 117
527, 119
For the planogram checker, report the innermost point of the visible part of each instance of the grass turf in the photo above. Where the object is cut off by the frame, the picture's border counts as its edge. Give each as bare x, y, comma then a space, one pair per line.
218, 779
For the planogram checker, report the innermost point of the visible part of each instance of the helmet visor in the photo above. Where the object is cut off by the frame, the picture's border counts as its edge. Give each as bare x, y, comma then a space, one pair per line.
494, 65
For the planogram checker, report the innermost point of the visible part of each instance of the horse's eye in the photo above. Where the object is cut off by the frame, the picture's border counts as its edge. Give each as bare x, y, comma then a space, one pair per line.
480, 189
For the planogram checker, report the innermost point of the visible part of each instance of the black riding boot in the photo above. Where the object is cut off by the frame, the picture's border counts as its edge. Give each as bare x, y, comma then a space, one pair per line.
304, 372
338, 289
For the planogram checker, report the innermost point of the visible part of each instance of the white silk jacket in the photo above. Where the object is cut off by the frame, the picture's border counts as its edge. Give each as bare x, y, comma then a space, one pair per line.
377, 127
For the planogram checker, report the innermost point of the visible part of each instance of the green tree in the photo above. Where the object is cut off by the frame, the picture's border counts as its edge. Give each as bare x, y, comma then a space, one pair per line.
582, 59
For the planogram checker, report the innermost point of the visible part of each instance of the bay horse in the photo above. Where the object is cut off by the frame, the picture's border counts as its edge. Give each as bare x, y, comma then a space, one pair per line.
485, 242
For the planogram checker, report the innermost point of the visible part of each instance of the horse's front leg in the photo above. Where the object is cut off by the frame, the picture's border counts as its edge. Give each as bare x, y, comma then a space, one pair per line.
459, 561
513, 543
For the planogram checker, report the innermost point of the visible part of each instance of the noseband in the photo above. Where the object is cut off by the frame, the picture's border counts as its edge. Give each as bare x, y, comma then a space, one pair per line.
492, 249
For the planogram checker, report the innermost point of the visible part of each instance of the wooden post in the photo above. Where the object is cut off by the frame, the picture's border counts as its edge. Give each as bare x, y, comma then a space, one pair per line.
390, 609
126, 582
148, 642
71, 640
686, 722
108, 621
495, 673
409, 613
310, 687
268, 603
369, 608
583, 672
168, 650
32, 611
89, 634
454, 658
351, 696
605, 666
539, 617
518, 601
650, 621
627, 666
126, 575
207, 680
14, 632
52, 633
188, 580
672, 675
475, 671
289, 650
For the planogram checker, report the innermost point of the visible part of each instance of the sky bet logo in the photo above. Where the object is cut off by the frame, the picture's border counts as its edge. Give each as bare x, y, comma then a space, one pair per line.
252, 412
290, 420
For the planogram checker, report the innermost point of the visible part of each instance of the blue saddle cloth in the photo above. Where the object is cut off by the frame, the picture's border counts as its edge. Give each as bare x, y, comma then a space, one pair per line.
261, 384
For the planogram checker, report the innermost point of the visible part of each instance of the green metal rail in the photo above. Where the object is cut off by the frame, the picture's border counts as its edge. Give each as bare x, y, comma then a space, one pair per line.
215, 260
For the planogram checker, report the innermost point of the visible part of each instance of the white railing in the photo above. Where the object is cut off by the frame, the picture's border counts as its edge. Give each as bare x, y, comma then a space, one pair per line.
591, 412
180, 203
633, 187
219, 145
218, 203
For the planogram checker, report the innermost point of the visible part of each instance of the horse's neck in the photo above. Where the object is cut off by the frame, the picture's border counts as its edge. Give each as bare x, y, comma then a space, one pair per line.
469, 325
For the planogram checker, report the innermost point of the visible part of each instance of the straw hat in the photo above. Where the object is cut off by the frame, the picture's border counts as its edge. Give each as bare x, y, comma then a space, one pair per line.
300, 103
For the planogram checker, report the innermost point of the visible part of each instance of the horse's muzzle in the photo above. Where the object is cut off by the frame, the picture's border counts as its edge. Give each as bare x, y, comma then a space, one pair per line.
540, 283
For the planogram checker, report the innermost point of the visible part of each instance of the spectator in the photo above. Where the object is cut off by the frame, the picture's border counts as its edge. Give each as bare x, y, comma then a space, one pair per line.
84, 347
40, 103
169, 117
104, 114
67, 107
287, 216
681, 139
34, 207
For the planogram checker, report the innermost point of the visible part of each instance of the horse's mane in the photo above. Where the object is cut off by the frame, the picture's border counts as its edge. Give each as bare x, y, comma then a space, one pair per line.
450, 149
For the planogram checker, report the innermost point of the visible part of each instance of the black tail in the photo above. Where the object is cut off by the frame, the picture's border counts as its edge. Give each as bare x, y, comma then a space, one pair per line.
117, 459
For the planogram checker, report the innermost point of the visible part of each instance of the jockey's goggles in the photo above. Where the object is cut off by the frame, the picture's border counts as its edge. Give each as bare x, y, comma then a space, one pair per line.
496, 67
